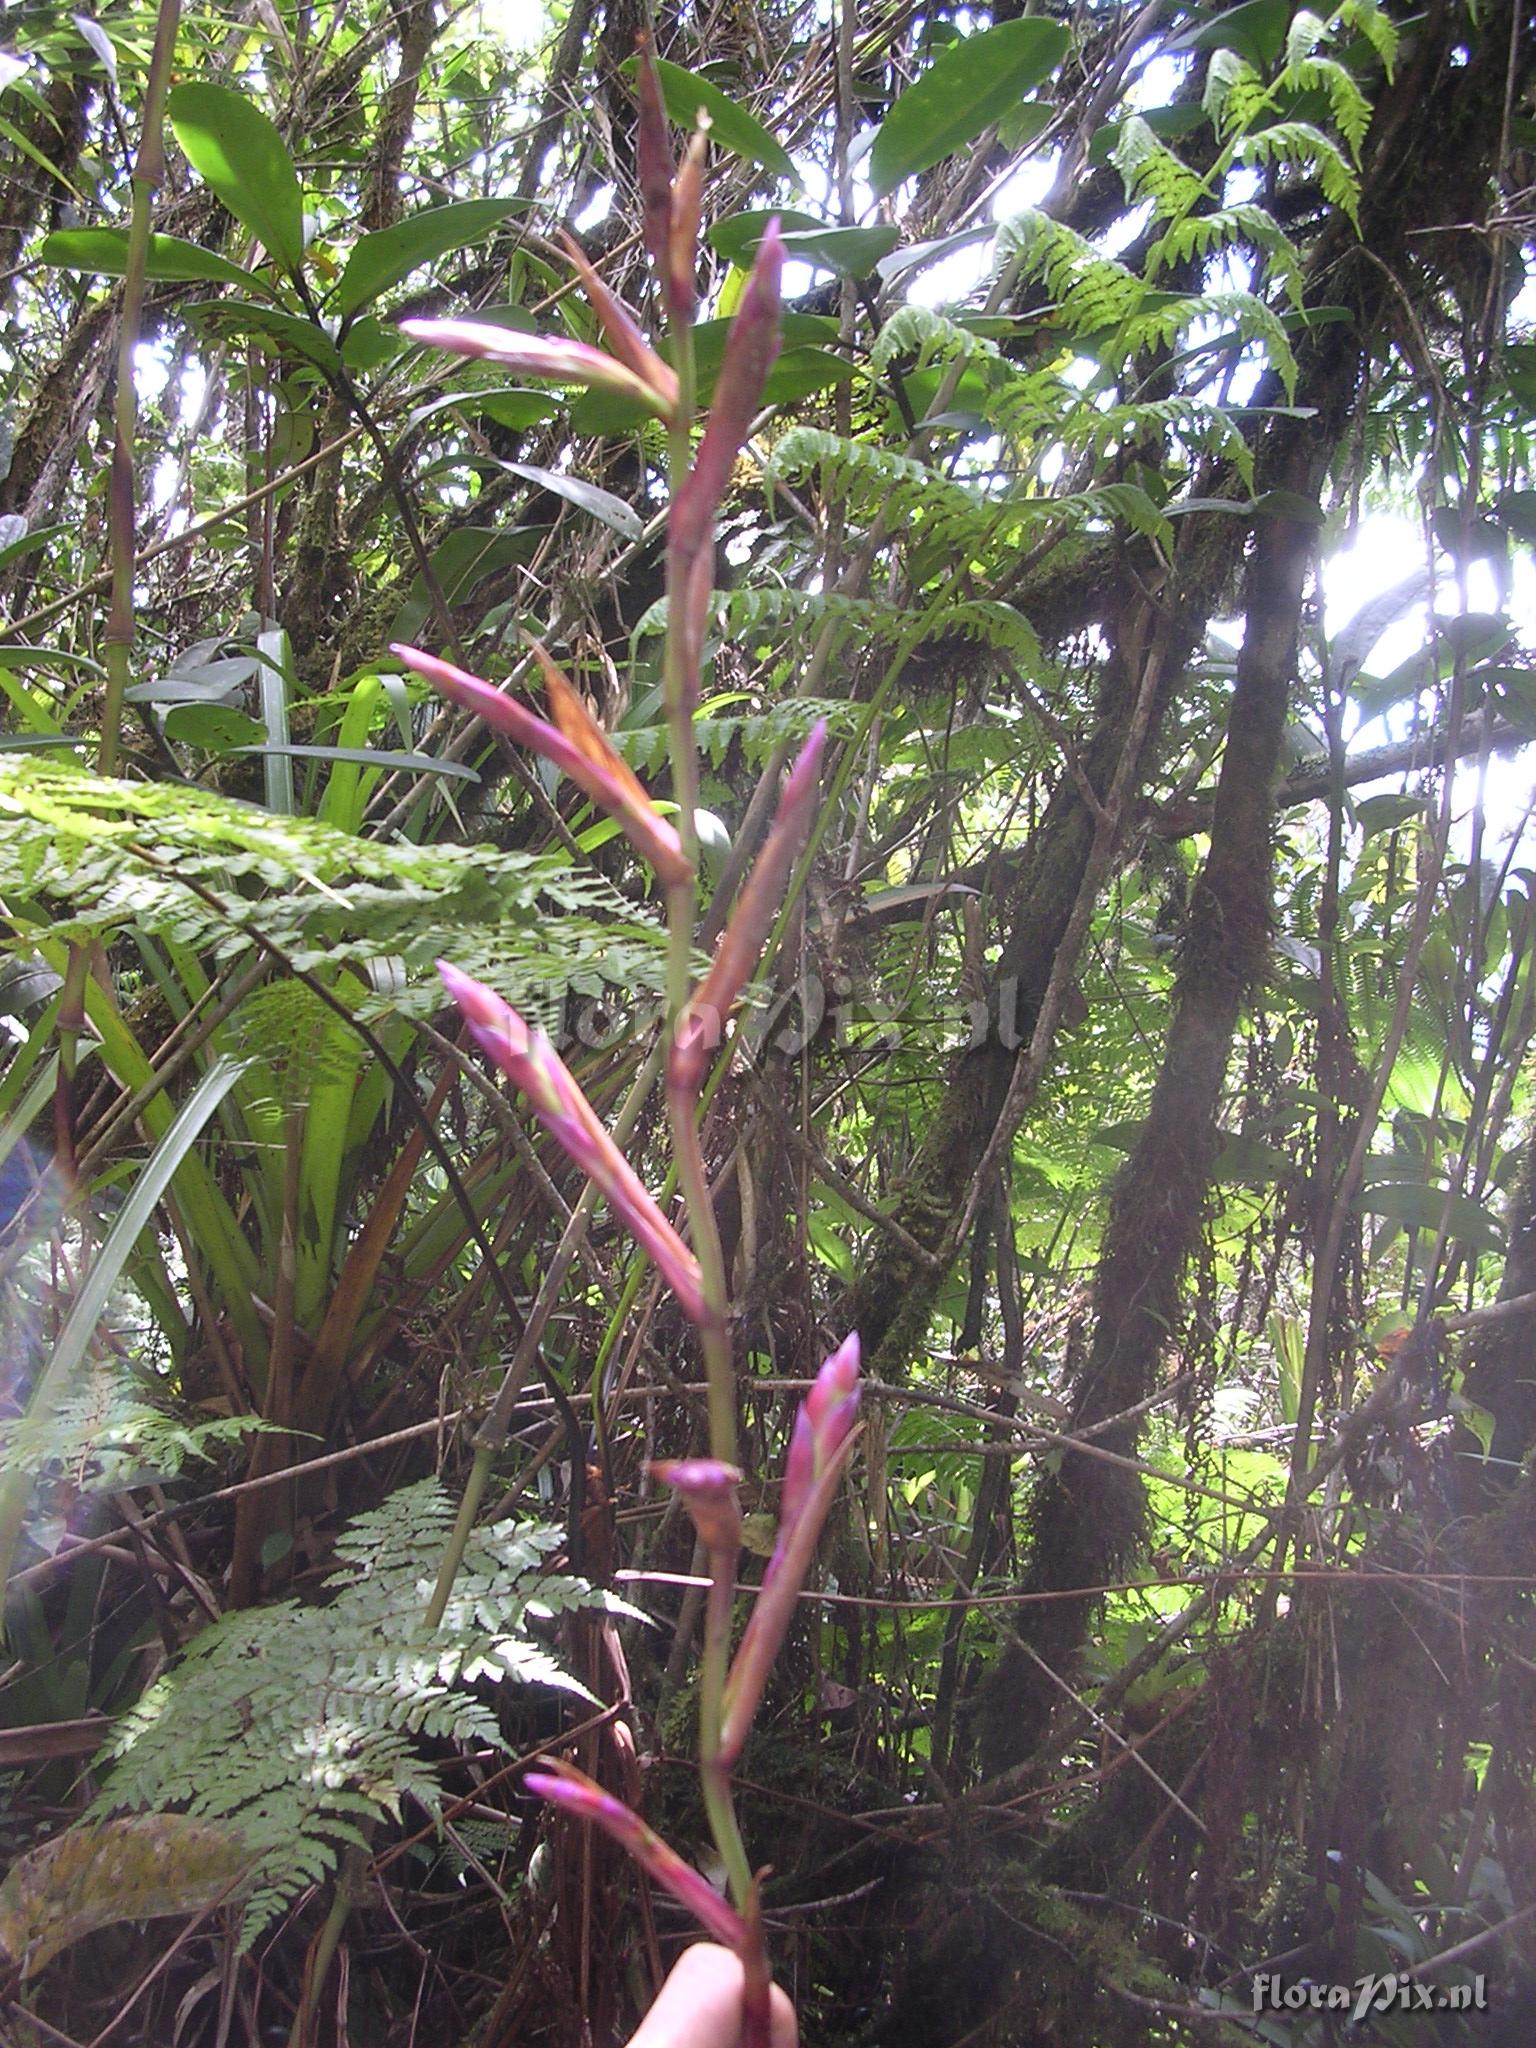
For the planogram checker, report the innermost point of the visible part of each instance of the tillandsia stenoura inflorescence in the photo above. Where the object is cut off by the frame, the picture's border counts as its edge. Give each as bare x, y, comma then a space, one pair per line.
824, 1432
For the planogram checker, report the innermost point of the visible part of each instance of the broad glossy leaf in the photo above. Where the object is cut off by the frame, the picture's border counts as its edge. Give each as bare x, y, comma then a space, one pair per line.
1517, 511
100, 43
731, 126
104, 253
973, 84
801, 335
1280, 504
1169, 124
371, 343
508, 404
1384, 813
239, 154
216, 728
1513, 691
800, 371
15, 541
1352, 644
382, 259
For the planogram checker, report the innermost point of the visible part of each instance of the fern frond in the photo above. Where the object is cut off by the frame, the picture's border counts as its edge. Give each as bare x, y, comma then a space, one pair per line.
931, 337
1306, 31
1094, 291
1348, 105
1304, 147
873, 477
1200, 235
1367, 19
328, 898
299, 1723
1151, 171
1195, 423
112, 1433
1234, 93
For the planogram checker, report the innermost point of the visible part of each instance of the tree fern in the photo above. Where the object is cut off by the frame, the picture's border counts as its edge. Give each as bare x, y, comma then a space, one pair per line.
296, 1723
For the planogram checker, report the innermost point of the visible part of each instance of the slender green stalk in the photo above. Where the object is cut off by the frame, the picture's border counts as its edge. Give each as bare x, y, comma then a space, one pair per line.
148, 173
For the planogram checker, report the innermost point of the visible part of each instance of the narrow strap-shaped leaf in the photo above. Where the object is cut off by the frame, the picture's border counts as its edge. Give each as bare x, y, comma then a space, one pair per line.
106, 1270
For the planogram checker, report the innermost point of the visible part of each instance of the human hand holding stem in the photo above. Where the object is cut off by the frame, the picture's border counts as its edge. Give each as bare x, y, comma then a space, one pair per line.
823, 1439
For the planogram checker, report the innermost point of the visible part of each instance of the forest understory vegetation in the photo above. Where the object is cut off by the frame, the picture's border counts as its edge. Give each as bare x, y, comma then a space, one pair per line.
767, 989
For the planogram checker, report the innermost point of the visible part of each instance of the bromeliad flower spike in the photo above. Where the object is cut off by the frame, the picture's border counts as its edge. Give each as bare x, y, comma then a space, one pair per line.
729, 1690
820, 1447
566, 1787
551, 357
528, 1059
576, 744
819, 1450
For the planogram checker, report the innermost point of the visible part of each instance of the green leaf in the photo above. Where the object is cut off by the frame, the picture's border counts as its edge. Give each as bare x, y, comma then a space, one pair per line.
577, 491
1476, 1418
216, 728
1384, 813
12, 550
1420, 1207
800, 371
803, 365
850, 252
285, 334
973, 84
1517, 511
508, 404
367, 757
239, 154
371, 343
1256, 30
382, 259
1168, 124
1280, 504
276, 688
684, 92
104, 253
1513, 691
1029, 119
90, 1303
